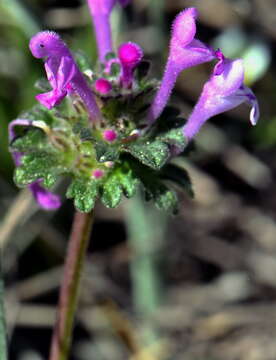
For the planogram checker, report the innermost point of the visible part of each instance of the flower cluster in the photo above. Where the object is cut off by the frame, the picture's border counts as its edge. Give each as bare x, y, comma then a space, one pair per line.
109, 129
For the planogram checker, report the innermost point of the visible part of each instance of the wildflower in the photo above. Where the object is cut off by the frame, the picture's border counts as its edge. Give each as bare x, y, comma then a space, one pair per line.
130, 55
100, 11
222, 92
62, 72
43, 197
185, 51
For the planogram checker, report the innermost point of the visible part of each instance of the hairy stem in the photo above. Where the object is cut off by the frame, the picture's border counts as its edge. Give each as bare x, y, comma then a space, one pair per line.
68, 298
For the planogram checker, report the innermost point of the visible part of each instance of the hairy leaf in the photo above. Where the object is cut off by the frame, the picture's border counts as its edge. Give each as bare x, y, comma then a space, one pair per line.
84, 192
153, 154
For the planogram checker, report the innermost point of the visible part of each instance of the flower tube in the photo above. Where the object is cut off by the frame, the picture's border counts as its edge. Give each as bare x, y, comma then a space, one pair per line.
185, 52
222, 92
100, 11
62, 72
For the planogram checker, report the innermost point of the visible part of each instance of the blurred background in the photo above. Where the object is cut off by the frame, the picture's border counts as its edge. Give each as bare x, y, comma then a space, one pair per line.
197, 286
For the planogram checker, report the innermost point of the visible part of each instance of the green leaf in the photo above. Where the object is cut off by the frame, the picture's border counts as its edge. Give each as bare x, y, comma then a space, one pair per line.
175, 137
39, 113
106, 152
179, 176
121, 181
84, 192
34, 166
153, 154
34, 139
155, 190
129, 184
163, 198
111, 192
166, 200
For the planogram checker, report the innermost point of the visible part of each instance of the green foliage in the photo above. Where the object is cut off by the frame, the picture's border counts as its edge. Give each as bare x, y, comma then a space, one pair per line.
121, 181
163, 198
84, 192
33, 140
174, 137
106, 152
153, 154
63, 142
38, 165
39, 113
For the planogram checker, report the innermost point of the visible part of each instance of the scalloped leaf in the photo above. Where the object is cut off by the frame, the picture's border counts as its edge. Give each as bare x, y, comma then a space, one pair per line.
122, 181
84, 192
175, 137
153, 154
38, 165
39, 113
34, 139
111, 192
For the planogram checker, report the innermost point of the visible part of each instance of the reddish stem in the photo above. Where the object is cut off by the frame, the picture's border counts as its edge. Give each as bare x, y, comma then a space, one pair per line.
68, 298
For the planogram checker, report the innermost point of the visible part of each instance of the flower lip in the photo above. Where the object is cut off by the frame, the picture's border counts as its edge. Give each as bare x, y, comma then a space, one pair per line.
184, 27
222, 92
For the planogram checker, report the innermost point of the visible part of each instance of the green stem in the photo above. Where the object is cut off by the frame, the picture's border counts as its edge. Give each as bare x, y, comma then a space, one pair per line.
62, 335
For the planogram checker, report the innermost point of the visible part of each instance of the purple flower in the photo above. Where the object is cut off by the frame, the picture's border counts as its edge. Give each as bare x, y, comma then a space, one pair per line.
130, 55
43, 197
185, 52
222, 92
62, 72
100, 11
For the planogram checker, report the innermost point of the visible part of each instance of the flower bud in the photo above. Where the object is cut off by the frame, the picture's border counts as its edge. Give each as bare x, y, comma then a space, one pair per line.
110, 135
130, 55
103, 86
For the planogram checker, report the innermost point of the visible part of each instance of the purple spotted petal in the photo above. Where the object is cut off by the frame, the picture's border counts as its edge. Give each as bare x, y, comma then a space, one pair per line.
44, 198
222, 92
